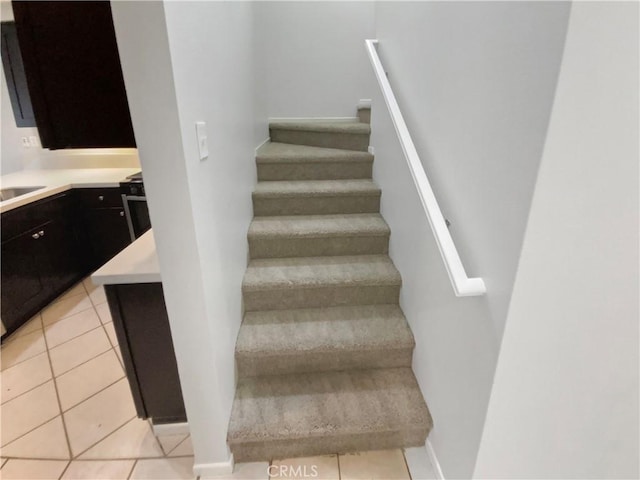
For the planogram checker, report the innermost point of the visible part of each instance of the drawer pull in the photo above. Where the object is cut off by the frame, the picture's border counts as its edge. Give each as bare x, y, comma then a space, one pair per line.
35, 236
101, 197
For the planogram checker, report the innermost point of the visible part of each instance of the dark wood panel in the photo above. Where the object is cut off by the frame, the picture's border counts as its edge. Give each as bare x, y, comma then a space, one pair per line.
73, 72
107, 233
142, 326
99, 197
23, 290
15, 76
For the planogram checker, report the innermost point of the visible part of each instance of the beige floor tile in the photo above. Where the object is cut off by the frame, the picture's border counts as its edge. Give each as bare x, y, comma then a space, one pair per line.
32, 325
83, 381
16, 469
134, 440
98, 296
64, 308
77, 289
4, 460
89, 286
78, 350
45, 442
249, 471
28, 411
374, 465
323, 467
111, 333
169, 442
100, 415
104, 313
92, 470
24, 376
164, 468
18, 349
184, 449
70, 327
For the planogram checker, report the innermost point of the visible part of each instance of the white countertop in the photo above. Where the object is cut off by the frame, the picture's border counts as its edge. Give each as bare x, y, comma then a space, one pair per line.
56, 181
138, 263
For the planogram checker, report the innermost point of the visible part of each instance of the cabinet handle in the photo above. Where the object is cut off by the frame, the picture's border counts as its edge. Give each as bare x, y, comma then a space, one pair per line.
101, 197
35, 236
41, 232
122, 214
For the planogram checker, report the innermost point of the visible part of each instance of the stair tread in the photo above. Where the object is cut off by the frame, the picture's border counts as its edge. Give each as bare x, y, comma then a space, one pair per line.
285, 188
288, 332
352, 402
356, 128
318, 225
275, 152
301, 272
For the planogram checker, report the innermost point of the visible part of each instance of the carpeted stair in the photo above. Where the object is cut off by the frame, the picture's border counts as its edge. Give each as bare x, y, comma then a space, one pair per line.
324, 350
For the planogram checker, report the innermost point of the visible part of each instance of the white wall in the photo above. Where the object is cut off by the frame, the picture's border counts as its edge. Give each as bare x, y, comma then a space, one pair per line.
565, 400
475, 81
315, 61
185, 62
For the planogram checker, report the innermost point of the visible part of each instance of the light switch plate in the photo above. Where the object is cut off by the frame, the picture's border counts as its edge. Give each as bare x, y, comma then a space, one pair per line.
201, 135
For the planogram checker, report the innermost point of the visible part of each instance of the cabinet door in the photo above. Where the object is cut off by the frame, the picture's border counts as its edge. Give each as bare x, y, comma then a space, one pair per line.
73, 71
107, 233
63, 261
23, 288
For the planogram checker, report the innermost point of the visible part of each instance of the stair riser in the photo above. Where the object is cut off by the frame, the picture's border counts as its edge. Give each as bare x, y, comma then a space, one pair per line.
327, 445
307, 362
314, 171
345, 141
317, 205
278, 247
316, 297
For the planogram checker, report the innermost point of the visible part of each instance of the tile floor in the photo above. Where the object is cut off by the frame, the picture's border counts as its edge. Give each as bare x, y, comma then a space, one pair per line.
67, 411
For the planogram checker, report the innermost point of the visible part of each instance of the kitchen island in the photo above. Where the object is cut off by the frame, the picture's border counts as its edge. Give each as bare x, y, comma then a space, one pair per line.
133, 285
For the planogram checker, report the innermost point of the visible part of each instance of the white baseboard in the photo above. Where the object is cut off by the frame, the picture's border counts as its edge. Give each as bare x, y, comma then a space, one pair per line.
434, 461
164, 429
313, 119
214, 470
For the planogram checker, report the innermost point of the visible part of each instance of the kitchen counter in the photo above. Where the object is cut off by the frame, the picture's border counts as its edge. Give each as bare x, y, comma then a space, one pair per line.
138, 263
56, 181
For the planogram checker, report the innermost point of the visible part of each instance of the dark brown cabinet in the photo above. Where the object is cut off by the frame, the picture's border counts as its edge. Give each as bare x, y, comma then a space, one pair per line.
105, 224
142, 326
42, 256
49, 245
73, 72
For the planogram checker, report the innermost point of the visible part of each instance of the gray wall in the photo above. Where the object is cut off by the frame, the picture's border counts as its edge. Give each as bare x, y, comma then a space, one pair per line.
315, 65
475, 82
565, 397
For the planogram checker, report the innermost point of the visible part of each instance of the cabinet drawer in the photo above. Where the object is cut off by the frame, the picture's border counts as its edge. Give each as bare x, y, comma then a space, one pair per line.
19, 220
99, 197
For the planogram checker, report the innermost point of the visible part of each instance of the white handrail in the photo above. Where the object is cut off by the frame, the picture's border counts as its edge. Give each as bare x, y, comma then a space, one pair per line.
463, 286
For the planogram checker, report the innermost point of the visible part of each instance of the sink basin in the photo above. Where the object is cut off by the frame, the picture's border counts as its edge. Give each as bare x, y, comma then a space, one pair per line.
12, 192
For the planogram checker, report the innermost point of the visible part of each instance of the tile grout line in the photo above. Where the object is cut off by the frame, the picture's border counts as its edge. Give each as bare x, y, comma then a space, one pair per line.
95, 393
133, 467
406, 464
77, 336
55, 387
65, 469
339, 472
174, 448
105, 437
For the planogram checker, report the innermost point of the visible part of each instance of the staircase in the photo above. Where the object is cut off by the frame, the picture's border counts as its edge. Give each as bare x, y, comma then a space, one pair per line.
324, 350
